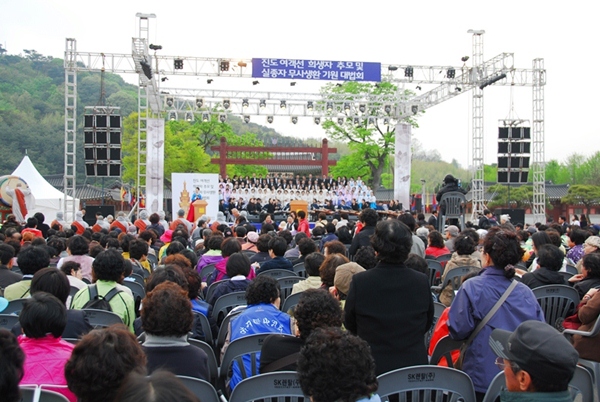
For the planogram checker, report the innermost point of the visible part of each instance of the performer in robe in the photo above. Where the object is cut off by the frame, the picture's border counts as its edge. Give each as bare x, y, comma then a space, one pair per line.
100, 224
142, 222
120, 223
23, 201
79, 223
59, 222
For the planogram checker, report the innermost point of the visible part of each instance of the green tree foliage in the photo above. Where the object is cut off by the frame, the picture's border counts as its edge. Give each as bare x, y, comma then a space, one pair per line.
372, 141
520, 197
583, 194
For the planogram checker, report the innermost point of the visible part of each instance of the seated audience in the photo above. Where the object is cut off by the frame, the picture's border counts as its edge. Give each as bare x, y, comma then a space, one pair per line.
590, 274
238, 268
78, 248
342, 280
277, 249
262, 245
550, 261
328, 267
313, 281
11, 366
160, 386
588, 312
101, 361
30, 260
435, 245
462, 257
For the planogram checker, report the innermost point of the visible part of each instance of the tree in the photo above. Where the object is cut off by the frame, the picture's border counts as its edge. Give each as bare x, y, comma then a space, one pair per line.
582, 194
362, 126
520, 197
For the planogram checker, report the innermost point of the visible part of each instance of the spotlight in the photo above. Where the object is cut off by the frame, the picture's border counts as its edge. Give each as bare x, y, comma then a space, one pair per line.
338, 84
329, 106
146, 69
155, 47
172, 116
255, 82
178, 64
205, 117
340, 120
309, 105
356, 121
458, 89
282, 104
169, 102
408, 72
294, 119
224, 66
242, 63
262, 104
362, 108
246, 119
418, 88
222, 118
492, 80
392, 68
387, 109
209, 81
226, 103
371, 121
317, 120
464, 59
189, 116
245, 103
293, 83
414, 109
346, 106
163, 79
269, 119
451, 73
199, 102
386, 121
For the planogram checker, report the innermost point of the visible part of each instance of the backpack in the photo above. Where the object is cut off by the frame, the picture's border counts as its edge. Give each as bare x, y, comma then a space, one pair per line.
98, 302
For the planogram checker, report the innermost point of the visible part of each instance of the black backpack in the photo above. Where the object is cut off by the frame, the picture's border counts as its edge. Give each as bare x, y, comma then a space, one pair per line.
98, 302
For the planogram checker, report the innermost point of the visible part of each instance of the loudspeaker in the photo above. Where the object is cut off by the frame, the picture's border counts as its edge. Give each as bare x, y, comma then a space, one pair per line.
514, 133
91, 211
102, 141
515, 177
517, 215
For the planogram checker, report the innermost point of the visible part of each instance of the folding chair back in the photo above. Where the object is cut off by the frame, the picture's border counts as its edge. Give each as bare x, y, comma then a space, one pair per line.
300, 270
205, 325
14, 306
556, 301
212, 287
202, 389
226, 303
213, 369
290, 302
426, 383
139, 279
454, 277
452, 204
280, 386
137, 289
224, 330
101, 318
207, 271
572, 269
444, 349
566, 275
434, 271
7, 321
442, 259
286, 283
278, 273
36, 394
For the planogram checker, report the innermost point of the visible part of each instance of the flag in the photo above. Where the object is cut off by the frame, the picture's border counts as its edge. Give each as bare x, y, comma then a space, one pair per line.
433, 202
132, 197
142, 200
123, 193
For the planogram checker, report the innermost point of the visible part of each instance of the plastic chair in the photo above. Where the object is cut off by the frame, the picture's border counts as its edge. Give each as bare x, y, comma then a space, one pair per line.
581, 383
300, 270
454, 278
206, 329
202, 389
278, 273
444, 348
567, 276
426, 383
290, 302
444, 258
452, 204
206, 271
73, 292
139, 279
153, 260
438, 309
211, 288
14, 306
32, 393
592, 366
137, 289
225, 303
280, 386
286, 284
434, 271
556, 301
224, 330
101, 318
572, 269
7, 321
213, 369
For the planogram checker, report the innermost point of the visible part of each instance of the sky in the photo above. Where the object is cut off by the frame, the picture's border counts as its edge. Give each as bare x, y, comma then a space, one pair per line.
391, 32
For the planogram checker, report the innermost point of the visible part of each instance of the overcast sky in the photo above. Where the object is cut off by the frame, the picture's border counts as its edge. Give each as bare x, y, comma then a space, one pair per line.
394, 32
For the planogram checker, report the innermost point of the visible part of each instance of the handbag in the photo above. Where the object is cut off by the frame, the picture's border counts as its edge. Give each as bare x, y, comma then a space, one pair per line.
486, 319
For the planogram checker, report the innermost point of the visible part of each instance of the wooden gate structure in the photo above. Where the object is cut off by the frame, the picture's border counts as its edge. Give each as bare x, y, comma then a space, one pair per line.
305, 156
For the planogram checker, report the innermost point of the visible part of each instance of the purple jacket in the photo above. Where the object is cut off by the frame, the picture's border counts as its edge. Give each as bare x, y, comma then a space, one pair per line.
207, 260
474, 300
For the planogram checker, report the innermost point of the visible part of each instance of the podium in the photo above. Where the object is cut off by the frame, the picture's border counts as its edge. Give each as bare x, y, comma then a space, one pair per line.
199, 209
299, 205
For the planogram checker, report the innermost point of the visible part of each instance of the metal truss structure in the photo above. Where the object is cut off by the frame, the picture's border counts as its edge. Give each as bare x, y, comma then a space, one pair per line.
191, 104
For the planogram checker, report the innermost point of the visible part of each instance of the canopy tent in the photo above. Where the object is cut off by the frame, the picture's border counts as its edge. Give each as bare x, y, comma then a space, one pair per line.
48, 200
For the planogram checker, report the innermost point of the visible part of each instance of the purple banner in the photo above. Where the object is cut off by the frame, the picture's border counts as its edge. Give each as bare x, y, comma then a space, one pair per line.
293, 69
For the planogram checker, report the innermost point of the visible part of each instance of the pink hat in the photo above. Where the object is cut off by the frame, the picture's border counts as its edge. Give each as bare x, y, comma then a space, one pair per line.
167, 236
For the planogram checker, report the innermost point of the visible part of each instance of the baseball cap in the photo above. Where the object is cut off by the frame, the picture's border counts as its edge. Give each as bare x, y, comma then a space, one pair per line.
538, 349
344, 274
453, 230
593, 241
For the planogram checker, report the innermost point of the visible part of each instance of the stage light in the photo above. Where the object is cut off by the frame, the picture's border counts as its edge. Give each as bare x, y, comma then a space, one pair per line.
451, 73
222, 118
387, 109
245, 103
362, 108
418, 88
309, 105
329, 106
294, 119
282, 104
464, 59
386, 121
178, 64
209, 81
293, 83
155, 47
458, 89
172, 116
317, 120
224, 66
242, 63
226, 103
392, 68
371, 121
205, 117
408, 72
346, 106
163, 79
199, 102
147, 70
262, 104
414, 109
340, 120
246, 119
189, 116
169, 102
269, 119
255, 82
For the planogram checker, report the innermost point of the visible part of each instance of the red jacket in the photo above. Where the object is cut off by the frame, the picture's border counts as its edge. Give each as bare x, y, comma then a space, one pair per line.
303, 227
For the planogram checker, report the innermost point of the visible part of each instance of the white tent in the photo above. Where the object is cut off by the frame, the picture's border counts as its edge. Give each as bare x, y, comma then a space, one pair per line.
48, 200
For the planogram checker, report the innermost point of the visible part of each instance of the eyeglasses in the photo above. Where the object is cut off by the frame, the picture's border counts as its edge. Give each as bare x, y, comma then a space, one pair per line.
513, 366
500, 363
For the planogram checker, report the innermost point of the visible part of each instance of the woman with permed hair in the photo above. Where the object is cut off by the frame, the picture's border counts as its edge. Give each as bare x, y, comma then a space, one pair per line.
78, 248
476, 297
464, 247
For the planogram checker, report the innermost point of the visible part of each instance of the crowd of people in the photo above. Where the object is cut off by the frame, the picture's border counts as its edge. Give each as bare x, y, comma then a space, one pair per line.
366, 302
